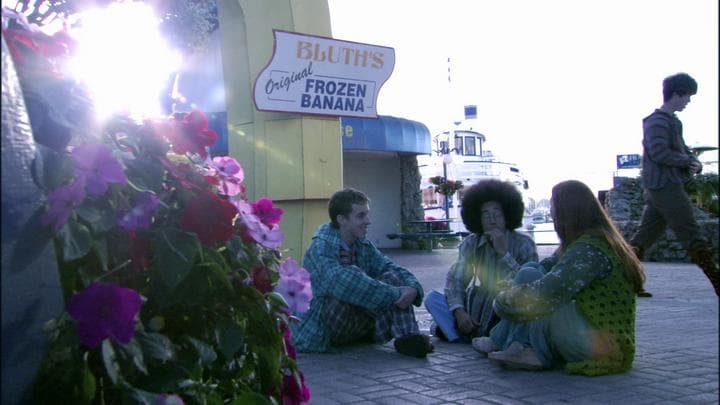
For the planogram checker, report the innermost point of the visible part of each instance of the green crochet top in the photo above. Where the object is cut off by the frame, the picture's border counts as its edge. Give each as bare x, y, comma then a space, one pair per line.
609, 306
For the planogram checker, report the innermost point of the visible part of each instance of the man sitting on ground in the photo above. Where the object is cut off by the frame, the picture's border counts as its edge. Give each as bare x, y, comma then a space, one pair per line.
358, 293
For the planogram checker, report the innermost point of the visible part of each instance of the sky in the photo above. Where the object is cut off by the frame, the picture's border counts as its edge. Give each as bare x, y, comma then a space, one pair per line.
561, 86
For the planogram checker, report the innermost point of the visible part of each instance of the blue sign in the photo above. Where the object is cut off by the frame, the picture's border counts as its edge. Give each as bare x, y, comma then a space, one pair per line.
629, 161
470, 112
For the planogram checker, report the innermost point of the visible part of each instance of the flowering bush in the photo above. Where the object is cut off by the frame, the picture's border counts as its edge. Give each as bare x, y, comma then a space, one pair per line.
444, 186
175, 288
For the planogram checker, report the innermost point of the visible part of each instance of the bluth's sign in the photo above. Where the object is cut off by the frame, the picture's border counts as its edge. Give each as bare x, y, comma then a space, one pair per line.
317, 75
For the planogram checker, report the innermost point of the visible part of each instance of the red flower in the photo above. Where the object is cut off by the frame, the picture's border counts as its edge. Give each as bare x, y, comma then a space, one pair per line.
191, 134
261, 279
209, 217
37, 50
185, 175
140, 251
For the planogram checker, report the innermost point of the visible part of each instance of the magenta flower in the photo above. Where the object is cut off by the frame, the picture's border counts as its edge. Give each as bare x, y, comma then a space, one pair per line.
294, 286
96, 164
62, 202
270, 237
230, 175
289, 346
264, 210
293, 393
140, 216
105, 310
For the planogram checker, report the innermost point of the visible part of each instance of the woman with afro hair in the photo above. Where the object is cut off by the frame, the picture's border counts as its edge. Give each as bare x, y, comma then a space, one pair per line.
494, 251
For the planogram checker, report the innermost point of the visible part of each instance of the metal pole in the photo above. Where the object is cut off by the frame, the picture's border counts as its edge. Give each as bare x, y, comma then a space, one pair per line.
447, 209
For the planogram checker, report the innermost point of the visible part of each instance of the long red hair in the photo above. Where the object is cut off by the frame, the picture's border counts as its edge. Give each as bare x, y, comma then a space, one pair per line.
578, 212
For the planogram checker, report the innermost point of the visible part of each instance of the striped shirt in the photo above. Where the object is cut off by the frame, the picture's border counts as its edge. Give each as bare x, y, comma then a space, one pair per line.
666, 158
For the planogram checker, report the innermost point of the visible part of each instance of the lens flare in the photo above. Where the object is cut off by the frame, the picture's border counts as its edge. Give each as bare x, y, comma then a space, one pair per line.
123, 59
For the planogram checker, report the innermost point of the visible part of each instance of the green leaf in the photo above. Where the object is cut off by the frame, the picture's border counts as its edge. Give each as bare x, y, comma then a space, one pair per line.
156, 346
76, 240
31, 242
87, 386
101, 250
213, 256
146, 173
50, 168
98, 213
132, 352
110, 361
277, 300
143, 397
230, 336
205, 283
250, 398
262, 338
176, 251
206, 352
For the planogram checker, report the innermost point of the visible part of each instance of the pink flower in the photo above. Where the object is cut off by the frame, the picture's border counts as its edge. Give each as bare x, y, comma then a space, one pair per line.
230, 175
96, 165
105, 310
290, 269
264, 210
254, 229
62, 202
294, 286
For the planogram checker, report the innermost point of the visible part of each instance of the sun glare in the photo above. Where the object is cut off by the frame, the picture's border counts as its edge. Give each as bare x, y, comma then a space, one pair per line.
123, 59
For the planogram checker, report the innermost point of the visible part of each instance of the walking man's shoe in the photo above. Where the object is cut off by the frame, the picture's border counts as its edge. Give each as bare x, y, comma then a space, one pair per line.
643, 293
415, 345
517, 357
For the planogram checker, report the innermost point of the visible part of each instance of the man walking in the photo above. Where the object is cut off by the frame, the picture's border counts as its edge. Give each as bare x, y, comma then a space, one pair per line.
358, 293
667, 165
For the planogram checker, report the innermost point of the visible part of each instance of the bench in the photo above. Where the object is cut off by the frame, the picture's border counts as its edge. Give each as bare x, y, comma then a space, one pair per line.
431, 236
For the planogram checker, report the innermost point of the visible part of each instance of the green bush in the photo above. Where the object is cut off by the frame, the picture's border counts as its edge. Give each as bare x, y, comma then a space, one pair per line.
703, 190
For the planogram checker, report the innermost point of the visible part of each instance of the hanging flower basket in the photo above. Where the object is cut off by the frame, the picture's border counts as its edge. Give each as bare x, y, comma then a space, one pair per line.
446, 187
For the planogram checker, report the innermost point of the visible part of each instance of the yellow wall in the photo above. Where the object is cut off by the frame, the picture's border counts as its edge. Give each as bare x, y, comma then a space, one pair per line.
295, 160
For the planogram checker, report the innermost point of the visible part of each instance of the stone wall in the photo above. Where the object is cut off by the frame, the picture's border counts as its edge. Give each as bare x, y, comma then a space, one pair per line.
410, 196
625, 203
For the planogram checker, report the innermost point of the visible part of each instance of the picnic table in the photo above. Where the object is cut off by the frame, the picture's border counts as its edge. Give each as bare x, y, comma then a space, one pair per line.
430, 233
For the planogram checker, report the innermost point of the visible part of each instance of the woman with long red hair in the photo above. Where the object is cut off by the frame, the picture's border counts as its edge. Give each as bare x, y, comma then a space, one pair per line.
576, 308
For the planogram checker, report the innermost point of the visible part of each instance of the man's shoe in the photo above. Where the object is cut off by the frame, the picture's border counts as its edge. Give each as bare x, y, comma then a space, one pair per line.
643, 293
484, 345
517, 357
414, 345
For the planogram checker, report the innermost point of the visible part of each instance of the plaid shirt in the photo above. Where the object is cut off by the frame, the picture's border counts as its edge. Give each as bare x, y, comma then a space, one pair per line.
331, 278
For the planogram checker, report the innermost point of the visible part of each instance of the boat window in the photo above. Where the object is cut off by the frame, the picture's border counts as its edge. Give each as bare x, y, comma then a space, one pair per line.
443, 146
470, 145
459, 145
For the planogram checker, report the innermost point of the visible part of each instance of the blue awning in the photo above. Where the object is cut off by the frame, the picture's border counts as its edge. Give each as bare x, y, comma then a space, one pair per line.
385, 133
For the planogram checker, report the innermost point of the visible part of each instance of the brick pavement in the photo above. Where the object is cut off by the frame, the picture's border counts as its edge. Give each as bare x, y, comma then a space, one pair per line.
676, 360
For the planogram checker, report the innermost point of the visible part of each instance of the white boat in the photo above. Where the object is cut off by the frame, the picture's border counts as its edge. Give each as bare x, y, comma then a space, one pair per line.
462, 155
